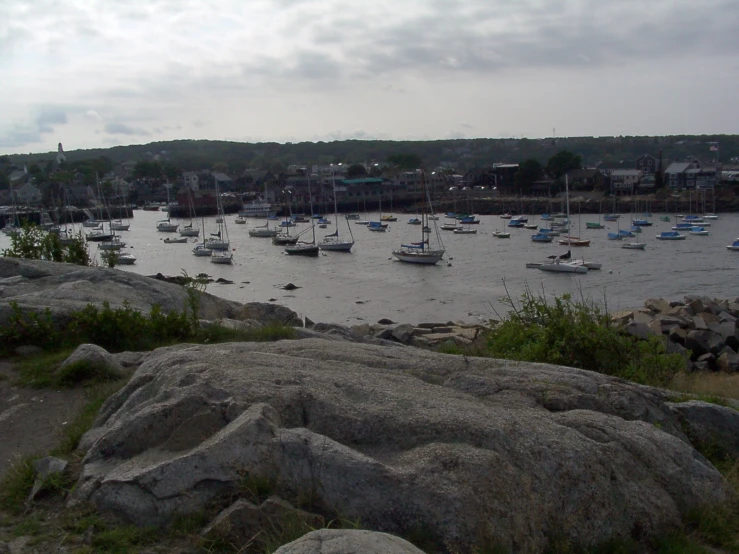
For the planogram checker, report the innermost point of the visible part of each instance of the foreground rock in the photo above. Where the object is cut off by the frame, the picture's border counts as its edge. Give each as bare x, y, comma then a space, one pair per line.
348, 541
63, 288
398, 438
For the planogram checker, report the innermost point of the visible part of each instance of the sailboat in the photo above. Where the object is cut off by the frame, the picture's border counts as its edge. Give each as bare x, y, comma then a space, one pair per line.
332, 242
389, 217
593, 224
379, 226
165, 225
421, 252
190, 230
305, 248
219, 242
200, 249
632, 245
569, 240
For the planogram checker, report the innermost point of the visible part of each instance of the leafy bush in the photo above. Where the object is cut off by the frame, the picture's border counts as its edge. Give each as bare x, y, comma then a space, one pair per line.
579, 334
32, 243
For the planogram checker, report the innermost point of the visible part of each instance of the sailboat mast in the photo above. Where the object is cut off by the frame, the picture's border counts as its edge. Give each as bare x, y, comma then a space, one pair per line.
336, 209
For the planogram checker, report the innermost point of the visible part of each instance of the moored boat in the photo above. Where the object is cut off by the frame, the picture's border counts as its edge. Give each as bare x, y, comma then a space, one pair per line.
734, 245
670, 235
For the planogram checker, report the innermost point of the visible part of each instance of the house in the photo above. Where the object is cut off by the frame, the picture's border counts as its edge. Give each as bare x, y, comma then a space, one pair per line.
190, 178
646, 163
18, 177
584, 179
675, 174
200, 198
27, 194
224, 181
647, 183
702, 178
624, 181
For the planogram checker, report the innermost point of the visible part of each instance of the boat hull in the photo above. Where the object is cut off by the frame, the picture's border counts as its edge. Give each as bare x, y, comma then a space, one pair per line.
563, 268
302, 250
634, 245
336, 246
427, 257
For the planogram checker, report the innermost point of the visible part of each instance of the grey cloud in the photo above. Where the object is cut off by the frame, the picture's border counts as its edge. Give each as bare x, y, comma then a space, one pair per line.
19, 136
123, 129
49, 117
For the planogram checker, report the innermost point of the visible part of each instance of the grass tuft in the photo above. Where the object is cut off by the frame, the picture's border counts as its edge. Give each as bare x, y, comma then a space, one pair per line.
73, 432
16, 484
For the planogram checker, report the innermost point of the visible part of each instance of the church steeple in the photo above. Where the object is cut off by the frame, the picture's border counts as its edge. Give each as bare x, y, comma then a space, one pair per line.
60, 157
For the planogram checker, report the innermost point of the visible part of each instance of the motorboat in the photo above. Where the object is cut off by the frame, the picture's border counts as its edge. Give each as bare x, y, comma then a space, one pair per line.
240, 221
634, 245
414, 221
201, 250
449, 226
177, 240
734, 245
124, 258
463, 231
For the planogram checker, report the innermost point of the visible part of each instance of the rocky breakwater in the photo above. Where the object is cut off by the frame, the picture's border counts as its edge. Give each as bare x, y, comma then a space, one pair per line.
705, 330
424, 335
466, 449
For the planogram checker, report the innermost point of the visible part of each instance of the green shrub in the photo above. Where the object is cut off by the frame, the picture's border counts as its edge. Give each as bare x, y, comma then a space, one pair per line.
32, 243
579, 334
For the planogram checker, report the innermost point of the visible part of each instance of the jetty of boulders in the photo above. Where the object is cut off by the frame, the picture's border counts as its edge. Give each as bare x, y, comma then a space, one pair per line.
705, 330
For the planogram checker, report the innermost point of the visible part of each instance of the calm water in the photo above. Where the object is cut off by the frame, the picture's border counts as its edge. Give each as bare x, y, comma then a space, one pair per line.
367, 285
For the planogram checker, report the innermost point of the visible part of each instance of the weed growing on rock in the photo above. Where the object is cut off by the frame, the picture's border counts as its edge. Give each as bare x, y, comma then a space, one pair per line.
579, 333
16, 484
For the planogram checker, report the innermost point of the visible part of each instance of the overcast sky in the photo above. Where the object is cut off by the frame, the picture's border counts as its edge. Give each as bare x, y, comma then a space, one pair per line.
98, 73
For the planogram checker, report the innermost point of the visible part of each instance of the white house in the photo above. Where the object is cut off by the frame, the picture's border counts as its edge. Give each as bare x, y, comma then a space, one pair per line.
624, 181
191, 180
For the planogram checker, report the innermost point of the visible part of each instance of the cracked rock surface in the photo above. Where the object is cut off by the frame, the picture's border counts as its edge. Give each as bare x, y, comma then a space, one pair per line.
399, 439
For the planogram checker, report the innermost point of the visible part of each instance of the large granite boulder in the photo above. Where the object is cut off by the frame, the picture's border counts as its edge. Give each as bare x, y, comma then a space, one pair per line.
399, 439
63, 288
348, 541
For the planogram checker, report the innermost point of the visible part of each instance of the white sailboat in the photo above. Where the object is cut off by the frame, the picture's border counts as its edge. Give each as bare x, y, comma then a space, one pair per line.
220, 243
305, 248
421, 252
165, 225
333, 242
191, 229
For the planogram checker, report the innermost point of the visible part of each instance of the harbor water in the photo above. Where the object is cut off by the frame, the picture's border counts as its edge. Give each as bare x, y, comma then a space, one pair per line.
477, 273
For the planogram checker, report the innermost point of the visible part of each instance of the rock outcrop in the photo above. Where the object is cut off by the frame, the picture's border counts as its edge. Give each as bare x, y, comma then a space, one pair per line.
63, 288
400, 439
705, 330
348, 541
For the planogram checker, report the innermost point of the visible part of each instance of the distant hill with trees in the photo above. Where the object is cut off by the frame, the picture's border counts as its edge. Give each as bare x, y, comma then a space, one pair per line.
459, 154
